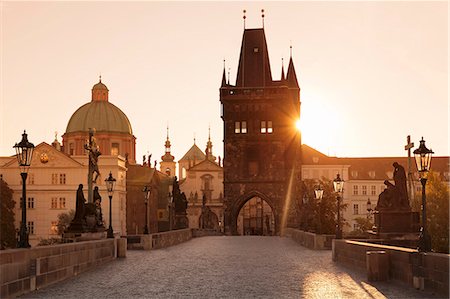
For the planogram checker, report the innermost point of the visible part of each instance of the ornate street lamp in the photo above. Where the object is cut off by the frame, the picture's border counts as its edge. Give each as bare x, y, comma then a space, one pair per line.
147, 191
369, 208
110, 182
24, 153
338, 185
319, 195
423, 161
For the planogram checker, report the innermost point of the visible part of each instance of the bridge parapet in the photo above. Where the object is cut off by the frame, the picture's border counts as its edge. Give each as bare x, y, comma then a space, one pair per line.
427, 271
309, 240
158, 240
25, 270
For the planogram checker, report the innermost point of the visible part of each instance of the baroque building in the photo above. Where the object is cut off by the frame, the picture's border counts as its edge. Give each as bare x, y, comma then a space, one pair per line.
261, 143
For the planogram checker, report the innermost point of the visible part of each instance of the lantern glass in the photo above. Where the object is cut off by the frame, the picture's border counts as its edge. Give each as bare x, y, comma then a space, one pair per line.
423, 158
319, 193
338, 184
24, 152
110, 182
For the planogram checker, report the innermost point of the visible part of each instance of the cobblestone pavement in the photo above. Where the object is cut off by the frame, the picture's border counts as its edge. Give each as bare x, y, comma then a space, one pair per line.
226, 267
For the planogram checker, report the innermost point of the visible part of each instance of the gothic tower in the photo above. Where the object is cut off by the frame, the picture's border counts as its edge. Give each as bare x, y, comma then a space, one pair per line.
261, 143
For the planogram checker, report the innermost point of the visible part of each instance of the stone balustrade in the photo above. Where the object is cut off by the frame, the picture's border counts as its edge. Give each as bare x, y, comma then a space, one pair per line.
309, 240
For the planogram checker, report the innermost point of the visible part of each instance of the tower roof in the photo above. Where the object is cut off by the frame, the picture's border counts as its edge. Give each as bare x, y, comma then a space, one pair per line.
291, 76
194, 154
254, 66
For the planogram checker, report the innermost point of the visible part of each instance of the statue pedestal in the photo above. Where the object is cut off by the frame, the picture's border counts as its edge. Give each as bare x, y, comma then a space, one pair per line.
396, 222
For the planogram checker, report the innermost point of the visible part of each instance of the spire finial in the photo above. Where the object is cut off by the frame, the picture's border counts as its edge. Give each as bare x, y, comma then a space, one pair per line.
194, 138
56, 135
244, 17
167, 131
209, 132
290, 49
262, 16
100, 78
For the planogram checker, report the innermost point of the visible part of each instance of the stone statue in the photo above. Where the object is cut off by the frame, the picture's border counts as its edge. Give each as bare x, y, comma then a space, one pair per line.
79, 208
98, 207
394, 197
400, 184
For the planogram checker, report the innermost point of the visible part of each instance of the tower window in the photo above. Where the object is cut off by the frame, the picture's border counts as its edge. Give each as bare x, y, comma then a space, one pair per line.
71, 149
255, 50
240, 127
266, 127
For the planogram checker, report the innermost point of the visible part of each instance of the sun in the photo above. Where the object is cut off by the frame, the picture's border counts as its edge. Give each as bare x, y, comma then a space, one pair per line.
298, 125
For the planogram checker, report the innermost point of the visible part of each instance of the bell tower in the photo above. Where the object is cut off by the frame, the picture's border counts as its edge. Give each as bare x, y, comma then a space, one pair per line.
167, 165
261, 143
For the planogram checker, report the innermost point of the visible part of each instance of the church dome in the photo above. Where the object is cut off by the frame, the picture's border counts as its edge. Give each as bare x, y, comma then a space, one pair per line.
99, 114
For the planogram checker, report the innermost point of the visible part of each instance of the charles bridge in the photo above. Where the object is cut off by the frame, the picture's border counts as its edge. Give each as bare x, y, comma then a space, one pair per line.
184, 263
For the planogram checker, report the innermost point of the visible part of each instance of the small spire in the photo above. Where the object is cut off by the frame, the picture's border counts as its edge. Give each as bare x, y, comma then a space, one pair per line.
194, 138
100, 78
56, 135
224, 79
282, 69
262, 16
290, 50
244, 17
209, 132
229, 76
167, 132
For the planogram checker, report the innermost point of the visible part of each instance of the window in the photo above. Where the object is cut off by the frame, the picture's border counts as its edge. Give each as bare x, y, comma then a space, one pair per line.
354, 173
62, 178
355, 189
54, 228
30, 204
266, 127
364, 190
183, 173
31, 178
62, 202
255, 50
355, 209
373, 190
253, 168
355, 226
71, 149
372, 174
240, 127
31, 227
114, 149
54, 203
54, 178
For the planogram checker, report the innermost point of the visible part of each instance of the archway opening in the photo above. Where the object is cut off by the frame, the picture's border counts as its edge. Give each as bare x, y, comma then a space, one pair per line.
256, 218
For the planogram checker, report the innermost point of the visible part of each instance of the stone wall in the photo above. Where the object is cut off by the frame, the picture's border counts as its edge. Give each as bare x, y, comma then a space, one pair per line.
309, 240
427, 271
25, 270
159, 240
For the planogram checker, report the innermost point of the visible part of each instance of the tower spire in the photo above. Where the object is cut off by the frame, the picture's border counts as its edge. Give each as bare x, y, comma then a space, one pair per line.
224, 79
291, 77
262, 16
244, 17
282, 70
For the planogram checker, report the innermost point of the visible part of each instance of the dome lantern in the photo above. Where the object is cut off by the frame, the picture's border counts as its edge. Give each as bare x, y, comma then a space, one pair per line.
100, 91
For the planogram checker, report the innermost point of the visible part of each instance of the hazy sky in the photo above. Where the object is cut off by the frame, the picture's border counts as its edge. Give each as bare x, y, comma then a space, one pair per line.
370, 72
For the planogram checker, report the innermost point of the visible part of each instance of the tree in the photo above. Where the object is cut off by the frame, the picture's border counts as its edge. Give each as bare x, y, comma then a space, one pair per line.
363, 225
64, 220
8, 231
437, 201
319, 216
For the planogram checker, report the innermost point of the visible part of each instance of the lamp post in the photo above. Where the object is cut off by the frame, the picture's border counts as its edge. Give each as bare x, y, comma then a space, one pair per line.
338, 185
147, 191
423, 161
110, 182
319, 195
24, 153
369, 208
170, 200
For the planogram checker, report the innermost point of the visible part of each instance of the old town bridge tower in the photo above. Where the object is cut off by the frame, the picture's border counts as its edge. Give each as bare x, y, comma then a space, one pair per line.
261, 142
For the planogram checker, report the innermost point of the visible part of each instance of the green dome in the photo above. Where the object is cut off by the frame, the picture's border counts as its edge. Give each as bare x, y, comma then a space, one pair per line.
101, 115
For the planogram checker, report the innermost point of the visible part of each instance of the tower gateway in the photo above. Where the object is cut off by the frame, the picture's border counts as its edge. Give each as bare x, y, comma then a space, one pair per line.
261, 143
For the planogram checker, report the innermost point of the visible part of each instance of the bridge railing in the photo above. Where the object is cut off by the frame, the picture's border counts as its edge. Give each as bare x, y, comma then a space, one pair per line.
309, 240
158, 240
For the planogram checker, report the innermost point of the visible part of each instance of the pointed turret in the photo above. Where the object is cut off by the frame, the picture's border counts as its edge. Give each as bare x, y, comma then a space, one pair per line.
208, 153
167, 156
282, 70
254, 66
168, 164
291, 76
224, 79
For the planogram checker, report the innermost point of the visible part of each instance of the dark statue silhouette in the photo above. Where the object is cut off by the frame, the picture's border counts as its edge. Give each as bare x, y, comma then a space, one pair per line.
394, 197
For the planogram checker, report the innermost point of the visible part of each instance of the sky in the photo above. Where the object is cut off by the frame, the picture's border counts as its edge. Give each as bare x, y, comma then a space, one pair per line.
370, 73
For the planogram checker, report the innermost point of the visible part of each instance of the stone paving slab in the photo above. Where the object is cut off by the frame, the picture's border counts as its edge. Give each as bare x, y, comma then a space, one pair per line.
226, 267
